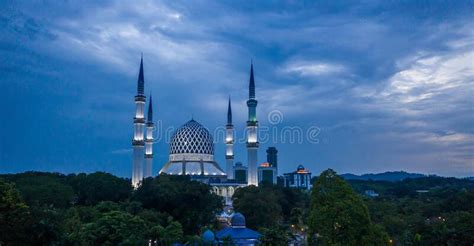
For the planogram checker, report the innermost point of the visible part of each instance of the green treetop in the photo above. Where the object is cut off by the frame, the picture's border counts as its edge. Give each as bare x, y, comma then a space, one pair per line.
339, 216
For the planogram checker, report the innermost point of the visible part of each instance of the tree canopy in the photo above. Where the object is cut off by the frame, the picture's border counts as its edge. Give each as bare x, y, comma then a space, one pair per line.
14, 215
269, 205
189, 202
112, 228
338, 215
96, 187
38, 208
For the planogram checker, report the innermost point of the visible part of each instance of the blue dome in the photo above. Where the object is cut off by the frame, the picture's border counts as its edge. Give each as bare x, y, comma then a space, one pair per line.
208, 236
300, 168
192, 138
238, 220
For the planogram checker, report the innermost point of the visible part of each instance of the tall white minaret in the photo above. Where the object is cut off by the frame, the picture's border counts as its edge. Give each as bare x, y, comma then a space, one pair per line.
252, 137
229, 141
138, 142
149, 141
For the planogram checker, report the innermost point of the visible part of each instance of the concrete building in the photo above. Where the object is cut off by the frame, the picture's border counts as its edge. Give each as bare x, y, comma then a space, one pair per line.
301, 178
267, 173
240, 173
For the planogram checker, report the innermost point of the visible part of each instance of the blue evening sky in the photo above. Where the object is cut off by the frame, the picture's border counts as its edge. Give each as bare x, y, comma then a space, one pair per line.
388, 84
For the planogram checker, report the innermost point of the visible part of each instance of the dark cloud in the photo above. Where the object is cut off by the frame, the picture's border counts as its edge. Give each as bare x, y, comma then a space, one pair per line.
389, 84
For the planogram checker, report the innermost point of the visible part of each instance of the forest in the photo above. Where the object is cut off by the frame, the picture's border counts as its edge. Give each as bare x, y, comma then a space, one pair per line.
39, 208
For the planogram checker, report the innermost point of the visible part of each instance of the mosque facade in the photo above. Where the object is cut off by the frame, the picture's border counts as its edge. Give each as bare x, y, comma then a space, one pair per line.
191, 149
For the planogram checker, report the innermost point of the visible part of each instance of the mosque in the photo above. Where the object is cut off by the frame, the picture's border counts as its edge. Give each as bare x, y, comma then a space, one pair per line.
191, 150
191, 153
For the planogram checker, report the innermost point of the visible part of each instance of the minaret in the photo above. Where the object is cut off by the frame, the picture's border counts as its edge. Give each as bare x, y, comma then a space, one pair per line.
139, 124
252, 138
229, 141
149, 141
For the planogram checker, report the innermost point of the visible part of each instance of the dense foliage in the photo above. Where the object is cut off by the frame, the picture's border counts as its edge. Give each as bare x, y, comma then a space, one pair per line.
339, 216
14, 214
423, 211
269, 205
101, 209
188, 202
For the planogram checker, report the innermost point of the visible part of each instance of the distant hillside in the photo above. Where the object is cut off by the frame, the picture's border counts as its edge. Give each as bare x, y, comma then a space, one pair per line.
386, 176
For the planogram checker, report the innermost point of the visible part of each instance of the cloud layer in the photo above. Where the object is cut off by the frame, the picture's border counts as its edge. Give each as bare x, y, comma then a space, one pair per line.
390, 85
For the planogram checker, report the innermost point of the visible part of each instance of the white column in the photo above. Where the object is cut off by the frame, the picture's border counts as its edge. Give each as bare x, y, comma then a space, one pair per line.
137, 175
138, 141
252, 166
229, 155
252, 153
148, 151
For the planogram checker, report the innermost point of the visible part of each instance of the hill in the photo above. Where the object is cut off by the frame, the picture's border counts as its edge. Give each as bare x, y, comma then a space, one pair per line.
386, 176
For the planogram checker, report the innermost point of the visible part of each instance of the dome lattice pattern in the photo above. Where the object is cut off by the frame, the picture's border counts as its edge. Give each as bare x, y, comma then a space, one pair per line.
192, 138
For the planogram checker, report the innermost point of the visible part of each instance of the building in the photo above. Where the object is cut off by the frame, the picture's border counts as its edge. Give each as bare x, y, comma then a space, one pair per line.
371, 193
208, 238
238, 233
301, 178
191, 152
191, 149
272, 156
267, 173
149, 141
252, 133
229, 142
138, 142
240, 173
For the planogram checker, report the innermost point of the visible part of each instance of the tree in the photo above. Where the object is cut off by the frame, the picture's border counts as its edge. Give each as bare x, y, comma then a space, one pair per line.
44, 189
96, 187
290, 199
259, 205
173, 233
296, 218
280, 201
338, 215
274, 236
45, 225
461, 227
112, 228
14, 216
76, 216
189, 202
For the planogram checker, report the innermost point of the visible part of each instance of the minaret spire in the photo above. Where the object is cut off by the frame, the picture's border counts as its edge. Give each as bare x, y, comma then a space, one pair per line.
138, 141
229, 141
150, 111
251, 83
252, 134
141, 79
229, 113
149, 141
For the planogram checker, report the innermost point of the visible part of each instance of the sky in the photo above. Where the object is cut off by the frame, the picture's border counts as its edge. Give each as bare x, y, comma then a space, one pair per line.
356, 86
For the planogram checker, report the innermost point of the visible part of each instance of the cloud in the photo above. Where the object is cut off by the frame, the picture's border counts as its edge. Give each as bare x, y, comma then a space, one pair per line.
361, 72
427, 104
432, 77
313, 68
